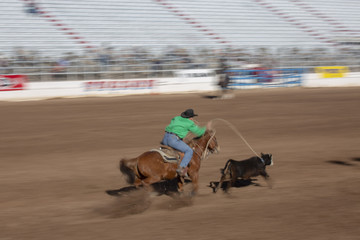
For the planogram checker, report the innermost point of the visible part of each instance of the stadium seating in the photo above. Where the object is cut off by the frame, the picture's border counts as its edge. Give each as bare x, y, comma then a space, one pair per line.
83, 27
74, 25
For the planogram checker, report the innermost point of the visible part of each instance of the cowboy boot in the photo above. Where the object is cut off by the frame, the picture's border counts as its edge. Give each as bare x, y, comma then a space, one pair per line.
182, 171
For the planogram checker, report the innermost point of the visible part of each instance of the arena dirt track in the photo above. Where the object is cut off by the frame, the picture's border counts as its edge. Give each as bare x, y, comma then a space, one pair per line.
59, 156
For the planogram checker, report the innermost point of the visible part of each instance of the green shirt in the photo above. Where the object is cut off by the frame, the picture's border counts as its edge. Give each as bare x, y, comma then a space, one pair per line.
181, 127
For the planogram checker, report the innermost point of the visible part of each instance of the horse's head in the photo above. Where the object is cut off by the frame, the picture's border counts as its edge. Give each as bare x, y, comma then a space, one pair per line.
212, 144
207, 143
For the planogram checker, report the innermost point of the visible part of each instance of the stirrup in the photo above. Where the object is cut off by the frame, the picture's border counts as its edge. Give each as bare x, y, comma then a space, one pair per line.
182, 172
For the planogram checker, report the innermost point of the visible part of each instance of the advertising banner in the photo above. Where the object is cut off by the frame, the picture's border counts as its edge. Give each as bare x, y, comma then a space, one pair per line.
265, 77
332, 71
12, 82
195, 73
113, 85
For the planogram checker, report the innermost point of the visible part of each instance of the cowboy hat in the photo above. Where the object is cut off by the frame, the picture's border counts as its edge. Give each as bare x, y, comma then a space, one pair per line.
189, 113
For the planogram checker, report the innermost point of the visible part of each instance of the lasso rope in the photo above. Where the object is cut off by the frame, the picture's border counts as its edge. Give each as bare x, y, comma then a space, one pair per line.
237, 132
206, 151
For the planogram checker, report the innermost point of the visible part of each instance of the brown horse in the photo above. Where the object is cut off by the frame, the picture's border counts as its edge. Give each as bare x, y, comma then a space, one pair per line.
149, 167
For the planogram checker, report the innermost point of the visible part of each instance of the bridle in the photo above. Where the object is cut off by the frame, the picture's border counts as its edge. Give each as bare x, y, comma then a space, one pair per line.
205, 153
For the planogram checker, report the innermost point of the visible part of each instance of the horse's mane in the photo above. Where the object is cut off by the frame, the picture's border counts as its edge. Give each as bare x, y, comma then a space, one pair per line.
191, 138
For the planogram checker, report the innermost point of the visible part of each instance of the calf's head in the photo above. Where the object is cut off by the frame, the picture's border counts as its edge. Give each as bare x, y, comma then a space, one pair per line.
268, 159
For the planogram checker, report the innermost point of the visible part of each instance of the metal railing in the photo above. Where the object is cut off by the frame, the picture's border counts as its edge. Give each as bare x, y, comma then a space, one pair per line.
146, 64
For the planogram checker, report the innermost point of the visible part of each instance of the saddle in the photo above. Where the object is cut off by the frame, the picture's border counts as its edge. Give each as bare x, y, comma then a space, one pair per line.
169, 154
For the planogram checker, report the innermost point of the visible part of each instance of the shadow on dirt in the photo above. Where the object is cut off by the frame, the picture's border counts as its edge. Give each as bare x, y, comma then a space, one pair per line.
356, 159
168, 187
338, 162
211, 96
131, 200
135, 202
238, 184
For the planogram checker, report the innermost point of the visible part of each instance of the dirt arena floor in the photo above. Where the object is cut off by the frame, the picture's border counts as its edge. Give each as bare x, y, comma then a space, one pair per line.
58, 157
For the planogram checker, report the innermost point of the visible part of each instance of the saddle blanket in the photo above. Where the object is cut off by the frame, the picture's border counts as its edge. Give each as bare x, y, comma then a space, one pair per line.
168, 155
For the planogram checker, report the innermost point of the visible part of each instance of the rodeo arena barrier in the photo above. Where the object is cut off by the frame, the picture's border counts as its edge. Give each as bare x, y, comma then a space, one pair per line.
18, 87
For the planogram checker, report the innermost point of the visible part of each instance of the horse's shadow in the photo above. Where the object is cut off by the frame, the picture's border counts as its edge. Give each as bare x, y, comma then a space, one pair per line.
165, 187
238, 184
170, 187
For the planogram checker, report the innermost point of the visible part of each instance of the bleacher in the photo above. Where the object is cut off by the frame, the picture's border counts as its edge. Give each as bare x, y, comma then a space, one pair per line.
19, 29
324, 18
245, 23
84, 27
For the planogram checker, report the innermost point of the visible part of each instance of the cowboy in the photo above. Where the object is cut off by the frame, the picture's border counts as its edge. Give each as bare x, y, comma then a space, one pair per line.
178, 128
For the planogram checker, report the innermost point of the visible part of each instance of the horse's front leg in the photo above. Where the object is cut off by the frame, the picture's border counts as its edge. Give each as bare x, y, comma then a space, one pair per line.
180, 184
195, 183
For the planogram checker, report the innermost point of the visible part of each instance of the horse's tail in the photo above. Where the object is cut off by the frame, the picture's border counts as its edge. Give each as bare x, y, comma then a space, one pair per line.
127, 167
227, 165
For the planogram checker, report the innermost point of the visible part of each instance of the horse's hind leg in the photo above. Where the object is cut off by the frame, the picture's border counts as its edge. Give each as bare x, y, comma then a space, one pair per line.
138, 183
142, 183
148, 181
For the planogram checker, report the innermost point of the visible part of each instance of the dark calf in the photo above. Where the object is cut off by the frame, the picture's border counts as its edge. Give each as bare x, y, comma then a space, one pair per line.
245, 169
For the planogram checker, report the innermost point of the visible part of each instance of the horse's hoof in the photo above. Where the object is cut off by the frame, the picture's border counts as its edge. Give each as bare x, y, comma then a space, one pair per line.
188, 194
193, 194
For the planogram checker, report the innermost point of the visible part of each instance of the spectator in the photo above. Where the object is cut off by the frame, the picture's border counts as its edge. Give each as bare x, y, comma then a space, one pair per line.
60, 66
224, 79
32, 8
223, 76
4, 65
156, 66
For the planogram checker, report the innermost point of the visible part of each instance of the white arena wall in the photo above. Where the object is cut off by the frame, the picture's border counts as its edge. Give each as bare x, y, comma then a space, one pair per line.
313, 80
180, 84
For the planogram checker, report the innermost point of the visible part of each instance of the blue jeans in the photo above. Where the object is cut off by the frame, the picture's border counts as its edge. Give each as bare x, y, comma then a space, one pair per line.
175, 142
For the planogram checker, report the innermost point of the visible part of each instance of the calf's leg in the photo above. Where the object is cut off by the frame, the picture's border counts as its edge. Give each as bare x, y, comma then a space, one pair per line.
267, 178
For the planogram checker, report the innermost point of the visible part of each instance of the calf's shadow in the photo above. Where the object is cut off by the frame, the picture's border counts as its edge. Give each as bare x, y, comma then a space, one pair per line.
238, 184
